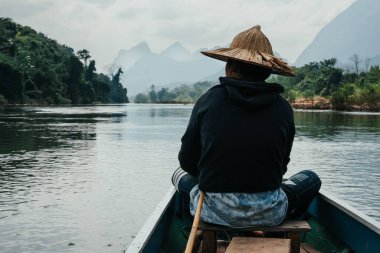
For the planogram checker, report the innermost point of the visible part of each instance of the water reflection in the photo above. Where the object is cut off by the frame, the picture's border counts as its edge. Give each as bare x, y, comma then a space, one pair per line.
169, 111
330, 126
44, 164
73, 179
343, 148
31, 129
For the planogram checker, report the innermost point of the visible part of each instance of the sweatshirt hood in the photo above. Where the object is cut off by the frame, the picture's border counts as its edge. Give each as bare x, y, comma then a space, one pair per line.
251, 94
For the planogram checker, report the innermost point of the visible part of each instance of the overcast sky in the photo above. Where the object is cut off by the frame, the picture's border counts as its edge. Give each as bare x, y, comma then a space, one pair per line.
106, 26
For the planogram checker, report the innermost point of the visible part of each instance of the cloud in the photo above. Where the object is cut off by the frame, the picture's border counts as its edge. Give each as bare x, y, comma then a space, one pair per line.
104, 27
11, 8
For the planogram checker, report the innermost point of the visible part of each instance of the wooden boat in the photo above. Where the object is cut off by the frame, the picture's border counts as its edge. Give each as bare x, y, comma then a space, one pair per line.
335, 227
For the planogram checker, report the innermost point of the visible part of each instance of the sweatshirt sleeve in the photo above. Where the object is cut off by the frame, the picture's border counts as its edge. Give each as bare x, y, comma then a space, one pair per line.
292, 131
190, 151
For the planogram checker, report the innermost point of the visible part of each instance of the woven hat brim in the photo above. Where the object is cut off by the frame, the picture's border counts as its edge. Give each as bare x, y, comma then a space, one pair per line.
277, 65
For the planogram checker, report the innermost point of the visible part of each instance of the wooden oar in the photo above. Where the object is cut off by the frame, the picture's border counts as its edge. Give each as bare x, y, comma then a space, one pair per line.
194, 228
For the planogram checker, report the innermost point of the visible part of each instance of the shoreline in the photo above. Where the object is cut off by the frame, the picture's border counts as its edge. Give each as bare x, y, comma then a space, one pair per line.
321, 103
305, 105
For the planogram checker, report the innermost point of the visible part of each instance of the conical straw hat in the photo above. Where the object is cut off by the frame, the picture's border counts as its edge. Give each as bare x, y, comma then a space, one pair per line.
253, 47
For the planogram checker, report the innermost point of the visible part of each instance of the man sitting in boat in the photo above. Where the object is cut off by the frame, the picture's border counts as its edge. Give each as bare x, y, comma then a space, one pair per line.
238, 141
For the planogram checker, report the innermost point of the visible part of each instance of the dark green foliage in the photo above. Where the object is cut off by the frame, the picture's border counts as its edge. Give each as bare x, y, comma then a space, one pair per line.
141, 98
182, 94
373, 75
10, 82
164, 95
74, 78
118, 92
314, 79
36, 69
102, 90
84, 55
116, 78
345, 90
90, 71
152, 94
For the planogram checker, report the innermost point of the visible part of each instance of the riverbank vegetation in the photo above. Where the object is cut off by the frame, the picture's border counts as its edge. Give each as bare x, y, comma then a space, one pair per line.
37, 70
317, 85
323, 85
183, 94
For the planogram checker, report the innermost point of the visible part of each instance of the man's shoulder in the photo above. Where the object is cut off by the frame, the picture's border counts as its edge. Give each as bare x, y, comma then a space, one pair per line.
214, 90
284, 103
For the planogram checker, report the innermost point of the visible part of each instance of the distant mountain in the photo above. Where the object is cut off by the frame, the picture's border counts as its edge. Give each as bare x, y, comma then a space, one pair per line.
127, 58
173, 66
162, 71
176, 52
354, 31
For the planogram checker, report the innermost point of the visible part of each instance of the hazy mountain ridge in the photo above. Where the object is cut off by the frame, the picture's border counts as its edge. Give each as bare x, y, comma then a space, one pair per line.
354, 31
173, 66
177, 52
127, 58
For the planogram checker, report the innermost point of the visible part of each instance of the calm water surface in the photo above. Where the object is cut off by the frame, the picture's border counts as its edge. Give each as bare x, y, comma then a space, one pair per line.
84, 179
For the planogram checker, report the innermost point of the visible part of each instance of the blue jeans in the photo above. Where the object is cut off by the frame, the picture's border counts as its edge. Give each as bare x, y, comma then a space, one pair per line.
300, 189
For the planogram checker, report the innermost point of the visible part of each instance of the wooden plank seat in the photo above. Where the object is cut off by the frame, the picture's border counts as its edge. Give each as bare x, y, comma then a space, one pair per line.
291, 229
258, 245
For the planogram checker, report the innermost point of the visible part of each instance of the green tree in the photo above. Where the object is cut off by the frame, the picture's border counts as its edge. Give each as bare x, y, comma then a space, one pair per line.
164, 96
152, 94
356, 61
373, 75
340, 98
90, 71
141, 98
101, 89
117, 77
330, 78
118, 92
87, 92
84, 55
73, 78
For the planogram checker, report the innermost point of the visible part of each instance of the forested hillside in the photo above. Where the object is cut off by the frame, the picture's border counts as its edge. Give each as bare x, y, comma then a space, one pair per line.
37, 70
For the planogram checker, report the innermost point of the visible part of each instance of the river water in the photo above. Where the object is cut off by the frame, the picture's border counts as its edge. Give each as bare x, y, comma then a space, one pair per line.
84, 179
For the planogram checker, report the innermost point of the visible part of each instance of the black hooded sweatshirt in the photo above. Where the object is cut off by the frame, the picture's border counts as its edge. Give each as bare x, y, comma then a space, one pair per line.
239, 137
